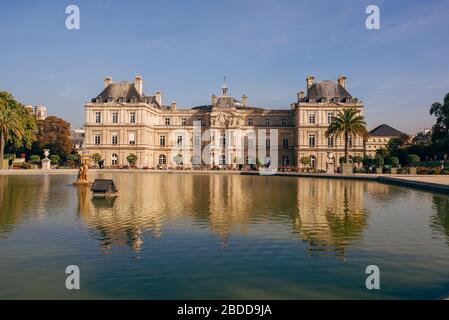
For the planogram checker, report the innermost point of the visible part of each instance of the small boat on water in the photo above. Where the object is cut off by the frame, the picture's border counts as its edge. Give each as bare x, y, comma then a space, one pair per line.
104, 188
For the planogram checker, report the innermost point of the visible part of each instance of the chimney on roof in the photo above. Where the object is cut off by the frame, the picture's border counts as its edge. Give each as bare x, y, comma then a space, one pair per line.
310, 80
300, 95
173, 105
158, 96
245, 100
138, 83
342, 81
213, 99
107, 81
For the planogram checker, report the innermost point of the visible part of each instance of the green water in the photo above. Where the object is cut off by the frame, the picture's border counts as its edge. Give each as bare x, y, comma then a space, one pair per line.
179, 236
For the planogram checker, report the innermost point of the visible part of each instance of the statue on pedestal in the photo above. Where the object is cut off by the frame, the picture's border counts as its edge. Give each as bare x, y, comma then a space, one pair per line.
82, 172
330, 163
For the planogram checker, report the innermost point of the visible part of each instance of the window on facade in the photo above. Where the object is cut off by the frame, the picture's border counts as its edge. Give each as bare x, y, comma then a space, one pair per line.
285, 161
350, 141
167, 121
97, 138
330, 117
179, 141
196, 159
312, 161
114, 138
284, 121
196, 140
267, 121
132, 137
330, 141
250, 121
312, 118
222, 160
132, 117
97, 117
250, 142
201, 120
267, 143
285, 143
311, 140
183, 121
115, 117
162, 159
222, 139
114, 159
162, 141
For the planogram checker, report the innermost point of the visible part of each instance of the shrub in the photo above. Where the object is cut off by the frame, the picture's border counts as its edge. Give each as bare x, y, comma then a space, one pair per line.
54, 158
132, 159
412, 159
357, 159
305, 161
392, 161
35, 159
96, 157
379, 161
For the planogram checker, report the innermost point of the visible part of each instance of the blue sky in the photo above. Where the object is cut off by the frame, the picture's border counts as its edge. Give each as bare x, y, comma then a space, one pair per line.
265, 48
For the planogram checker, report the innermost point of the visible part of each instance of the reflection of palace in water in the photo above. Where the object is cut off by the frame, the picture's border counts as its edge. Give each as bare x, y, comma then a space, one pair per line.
324, 213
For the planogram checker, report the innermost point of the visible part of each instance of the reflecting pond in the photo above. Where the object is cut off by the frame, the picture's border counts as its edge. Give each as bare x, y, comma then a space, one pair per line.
183, 236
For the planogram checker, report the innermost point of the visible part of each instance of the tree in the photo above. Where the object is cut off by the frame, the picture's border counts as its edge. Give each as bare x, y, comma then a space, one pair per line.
10, 127
392, 161
396, 143
412, 159
368, 162
357, 159
382, 153
347, 122
305, 161
54, 134
27, 121
96, 157
440, 130
379, 161
132, 159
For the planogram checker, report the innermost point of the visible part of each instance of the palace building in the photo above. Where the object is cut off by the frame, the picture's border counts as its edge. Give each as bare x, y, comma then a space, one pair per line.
122, 120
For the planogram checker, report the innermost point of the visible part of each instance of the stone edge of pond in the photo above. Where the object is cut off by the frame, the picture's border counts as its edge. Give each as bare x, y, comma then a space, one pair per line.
416, 184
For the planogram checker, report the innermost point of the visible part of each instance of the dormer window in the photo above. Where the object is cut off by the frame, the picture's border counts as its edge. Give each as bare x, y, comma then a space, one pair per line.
311, 99
133, 99
323, 99
121, 100
110, 99
98, 100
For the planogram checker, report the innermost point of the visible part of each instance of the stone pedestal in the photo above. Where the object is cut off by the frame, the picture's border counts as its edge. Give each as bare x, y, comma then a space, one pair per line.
46, 164
346, 169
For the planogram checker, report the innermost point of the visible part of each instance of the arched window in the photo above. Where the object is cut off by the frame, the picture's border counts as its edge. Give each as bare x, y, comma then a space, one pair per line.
114, 159
162, 159
285, 161
312, 161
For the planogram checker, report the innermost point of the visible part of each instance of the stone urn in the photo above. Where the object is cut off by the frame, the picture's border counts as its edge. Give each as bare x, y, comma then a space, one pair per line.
46, 161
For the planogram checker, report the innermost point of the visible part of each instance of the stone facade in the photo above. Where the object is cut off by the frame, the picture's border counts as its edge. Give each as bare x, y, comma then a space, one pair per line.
122, 120
379, 138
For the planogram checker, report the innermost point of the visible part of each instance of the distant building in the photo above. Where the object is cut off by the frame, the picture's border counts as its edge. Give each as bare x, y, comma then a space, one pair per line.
423, 137
379, 138
77, 137
40, 112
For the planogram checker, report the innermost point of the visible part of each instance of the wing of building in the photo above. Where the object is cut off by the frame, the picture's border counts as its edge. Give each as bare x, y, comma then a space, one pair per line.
122, 120
379, 138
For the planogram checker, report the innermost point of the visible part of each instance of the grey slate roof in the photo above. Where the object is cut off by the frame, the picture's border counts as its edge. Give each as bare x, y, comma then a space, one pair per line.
327, 89
385, 130
123, 90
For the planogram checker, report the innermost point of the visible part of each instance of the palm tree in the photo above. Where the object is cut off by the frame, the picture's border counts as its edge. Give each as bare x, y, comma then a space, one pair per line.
10, 125
347, 122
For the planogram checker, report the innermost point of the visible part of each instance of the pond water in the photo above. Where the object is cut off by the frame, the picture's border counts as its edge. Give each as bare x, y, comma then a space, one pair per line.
181, 236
